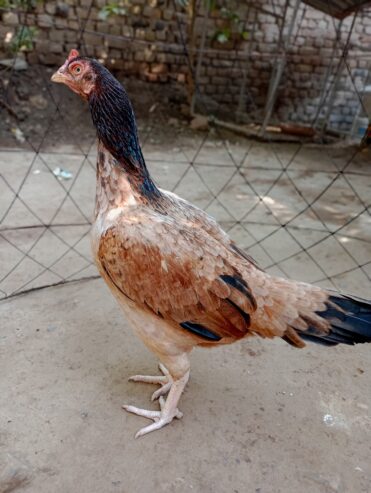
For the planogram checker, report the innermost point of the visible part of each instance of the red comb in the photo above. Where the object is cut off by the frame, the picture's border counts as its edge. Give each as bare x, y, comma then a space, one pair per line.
73, 54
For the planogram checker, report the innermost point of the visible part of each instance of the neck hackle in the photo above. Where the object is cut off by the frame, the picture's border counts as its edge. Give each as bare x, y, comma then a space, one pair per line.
114, 120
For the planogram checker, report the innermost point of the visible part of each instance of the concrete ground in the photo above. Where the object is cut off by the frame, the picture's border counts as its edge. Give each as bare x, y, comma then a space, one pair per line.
259, 416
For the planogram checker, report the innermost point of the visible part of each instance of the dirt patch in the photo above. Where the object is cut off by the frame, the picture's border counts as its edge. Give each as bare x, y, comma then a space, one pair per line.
48, 114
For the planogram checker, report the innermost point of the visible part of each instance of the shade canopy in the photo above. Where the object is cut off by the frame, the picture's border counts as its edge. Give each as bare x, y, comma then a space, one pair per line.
337, 8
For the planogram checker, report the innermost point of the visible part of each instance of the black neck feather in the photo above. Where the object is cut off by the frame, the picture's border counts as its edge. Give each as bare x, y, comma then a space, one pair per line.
114, 120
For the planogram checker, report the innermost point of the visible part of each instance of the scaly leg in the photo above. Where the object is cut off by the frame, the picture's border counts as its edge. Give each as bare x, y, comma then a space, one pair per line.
164, 380
169, 409
178, 372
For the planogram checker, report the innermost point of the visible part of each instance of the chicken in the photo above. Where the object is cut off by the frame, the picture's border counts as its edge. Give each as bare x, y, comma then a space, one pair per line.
178, 277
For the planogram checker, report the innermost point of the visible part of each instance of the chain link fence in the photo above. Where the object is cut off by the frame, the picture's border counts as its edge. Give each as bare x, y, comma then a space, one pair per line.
303, 211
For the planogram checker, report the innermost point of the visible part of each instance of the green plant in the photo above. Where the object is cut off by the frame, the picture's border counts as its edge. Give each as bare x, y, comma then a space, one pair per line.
19, 4
23, 39
233, 25
114, 8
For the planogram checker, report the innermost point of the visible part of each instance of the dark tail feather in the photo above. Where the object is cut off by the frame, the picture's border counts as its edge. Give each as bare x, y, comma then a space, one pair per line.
350, 319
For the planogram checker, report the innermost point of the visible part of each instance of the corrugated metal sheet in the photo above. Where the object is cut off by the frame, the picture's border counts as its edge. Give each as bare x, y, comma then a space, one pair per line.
338, 8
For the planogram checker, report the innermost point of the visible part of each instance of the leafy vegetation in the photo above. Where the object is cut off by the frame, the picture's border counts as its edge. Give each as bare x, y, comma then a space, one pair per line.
114, 8
23, 39
234, 25
18, 4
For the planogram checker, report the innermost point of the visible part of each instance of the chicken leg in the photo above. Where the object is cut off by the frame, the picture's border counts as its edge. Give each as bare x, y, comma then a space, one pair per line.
175, 376
168, 409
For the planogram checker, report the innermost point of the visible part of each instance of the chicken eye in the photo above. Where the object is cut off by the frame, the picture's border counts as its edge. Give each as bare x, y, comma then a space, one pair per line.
75, 69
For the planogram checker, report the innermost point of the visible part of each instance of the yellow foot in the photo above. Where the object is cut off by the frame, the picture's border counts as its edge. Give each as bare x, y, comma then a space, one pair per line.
161, 418
164, 380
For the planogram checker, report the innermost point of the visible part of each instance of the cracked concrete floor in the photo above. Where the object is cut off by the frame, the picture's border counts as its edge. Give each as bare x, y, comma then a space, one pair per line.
259, 416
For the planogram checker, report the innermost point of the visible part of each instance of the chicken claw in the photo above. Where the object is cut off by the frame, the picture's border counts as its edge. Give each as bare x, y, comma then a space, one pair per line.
159, 417
168, 409
164, 380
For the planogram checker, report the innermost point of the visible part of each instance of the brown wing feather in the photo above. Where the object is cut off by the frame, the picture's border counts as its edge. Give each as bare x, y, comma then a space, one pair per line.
170, 271
194, 278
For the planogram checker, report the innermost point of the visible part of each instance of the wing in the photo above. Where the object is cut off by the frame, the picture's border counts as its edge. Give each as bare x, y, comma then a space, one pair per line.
200, 219
179, 273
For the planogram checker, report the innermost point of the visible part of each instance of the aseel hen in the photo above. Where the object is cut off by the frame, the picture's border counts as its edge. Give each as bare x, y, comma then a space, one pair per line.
179, 278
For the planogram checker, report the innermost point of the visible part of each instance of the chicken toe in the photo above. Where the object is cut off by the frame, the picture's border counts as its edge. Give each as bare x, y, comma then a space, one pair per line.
164, 380
168, 409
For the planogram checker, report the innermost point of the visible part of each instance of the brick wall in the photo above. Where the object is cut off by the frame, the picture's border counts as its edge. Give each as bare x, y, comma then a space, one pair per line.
148, 42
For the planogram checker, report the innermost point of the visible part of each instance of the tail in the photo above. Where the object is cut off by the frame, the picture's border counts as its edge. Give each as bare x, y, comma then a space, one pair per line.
346, 320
